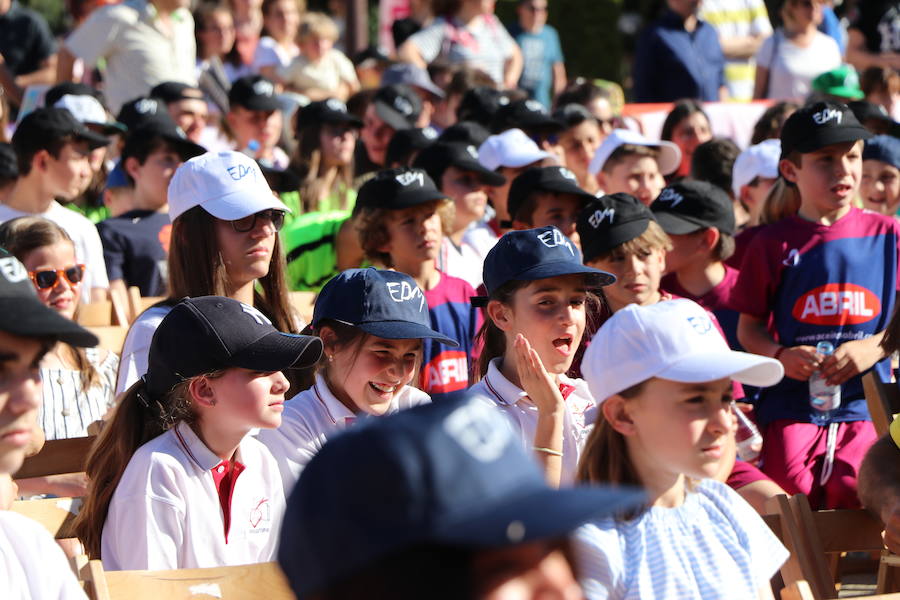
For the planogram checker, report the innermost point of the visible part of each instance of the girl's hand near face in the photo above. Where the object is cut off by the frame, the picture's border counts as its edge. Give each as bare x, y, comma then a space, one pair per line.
537, 383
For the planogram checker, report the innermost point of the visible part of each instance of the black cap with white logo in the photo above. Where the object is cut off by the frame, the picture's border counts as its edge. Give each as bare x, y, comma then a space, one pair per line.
398, 105
331, 111
398, 188
253, 92
818, 125
543, 179
687, 206
527, 115
22, 314
140, 111
437, 157
610, 221
43, 126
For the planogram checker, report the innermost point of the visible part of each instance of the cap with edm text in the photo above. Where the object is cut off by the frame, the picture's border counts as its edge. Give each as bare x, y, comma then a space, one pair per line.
559, 180
687, 206
46, 125
610, 221
173, 91
253, 92
527, 115
411, 75
397, 105
818, 125
406, 142
331, 110
140, 111
398, 188
437, 157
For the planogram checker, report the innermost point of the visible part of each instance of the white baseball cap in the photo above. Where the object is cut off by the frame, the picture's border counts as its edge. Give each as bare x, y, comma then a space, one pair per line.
760, 160
669, 153
512, 148
674, 339
228, 185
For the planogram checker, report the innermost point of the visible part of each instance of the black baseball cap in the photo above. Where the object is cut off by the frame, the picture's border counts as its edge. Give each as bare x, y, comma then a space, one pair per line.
480, 104
866, 112
450, 473
138, 111
397, 105
386, 304
610, 221
470, 132
818, 125
331, 110
21, 313
688, 205
253, 92
45, 125
162, 127
209, 333
280, 180
530, 254
398, 188
573, 114
437, 157
71, 88
527, 115
412, 75
543, 179
173, 91
406, 142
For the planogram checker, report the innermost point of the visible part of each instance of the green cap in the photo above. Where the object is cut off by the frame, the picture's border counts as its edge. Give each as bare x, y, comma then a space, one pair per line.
842, 82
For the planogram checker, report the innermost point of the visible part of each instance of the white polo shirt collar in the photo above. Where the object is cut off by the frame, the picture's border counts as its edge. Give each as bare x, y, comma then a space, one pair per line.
508, 393
334, 408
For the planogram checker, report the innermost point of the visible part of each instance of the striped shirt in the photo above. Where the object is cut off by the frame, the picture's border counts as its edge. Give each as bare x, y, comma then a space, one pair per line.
713, 546
67, 408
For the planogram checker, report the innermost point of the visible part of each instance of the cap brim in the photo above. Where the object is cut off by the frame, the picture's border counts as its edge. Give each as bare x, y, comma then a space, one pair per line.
567, 188
676, 224
752, 369
596, 244
404, 330
344, 119
559, 268
94, 140
28, 317
261, 103
392, 117
278, 351
185, 147
487, 176
543, 513
110, 128
238, 205
545, 124
839, 135
416, 198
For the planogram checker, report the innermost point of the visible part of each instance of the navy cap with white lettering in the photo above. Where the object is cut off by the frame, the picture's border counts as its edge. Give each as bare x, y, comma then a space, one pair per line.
386, 304
818, 125
530, 254
610, 221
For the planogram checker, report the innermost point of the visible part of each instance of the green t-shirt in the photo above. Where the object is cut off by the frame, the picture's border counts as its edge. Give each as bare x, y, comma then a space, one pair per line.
331, 204
95, 214
309, 246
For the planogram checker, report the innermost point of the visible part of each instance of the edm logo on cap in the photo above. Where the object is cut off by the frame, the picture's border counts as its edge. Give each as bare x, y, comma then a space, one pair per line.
146, 106
402, 291
564, 172
473, 152
535, 106
336, 105
670, 195
403, 105
596, 219
410, 177
239, 171
555, 238
479, 430
12, 270
828, 114
263, 88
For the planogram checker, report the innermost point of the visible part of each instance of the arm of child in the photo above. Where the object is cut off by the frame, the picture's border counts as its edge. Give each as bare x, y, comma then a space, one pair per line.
799, 361
548, 435
852, 358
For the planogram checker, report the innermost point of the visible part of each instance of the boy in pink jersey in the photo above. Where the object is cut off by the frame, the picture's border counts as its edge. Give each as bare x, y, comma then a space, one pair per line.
827, 274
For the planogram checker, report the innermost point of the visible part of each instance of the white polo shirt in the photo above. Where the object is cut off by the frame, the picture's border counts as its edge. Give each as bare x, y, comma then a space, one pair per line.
32, 565
499, 391
166, 512
310, 418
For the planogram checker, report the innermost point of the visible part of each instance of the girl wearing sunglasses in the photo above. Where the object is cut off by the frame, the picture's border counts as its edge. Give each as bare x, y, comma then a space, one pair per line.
225, 223
78, 383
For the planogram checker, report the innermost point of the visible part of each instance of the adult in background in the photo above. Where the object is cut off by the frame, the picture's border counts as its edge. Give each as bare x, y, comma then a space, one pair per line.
543, 66
278, 46
874, 35
467, 31
679, 56
143, 42
788, 61
27, 50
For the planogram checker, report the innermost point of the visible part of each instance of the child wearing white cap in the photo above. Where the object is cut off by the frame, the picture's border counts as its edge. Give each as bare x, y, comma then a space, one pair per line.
629, 163
662, 375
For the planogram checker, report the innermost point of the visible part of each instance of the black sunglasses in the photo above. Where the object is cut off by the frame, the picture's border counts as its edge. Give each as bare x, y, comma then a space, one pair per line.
47, 279
249, 222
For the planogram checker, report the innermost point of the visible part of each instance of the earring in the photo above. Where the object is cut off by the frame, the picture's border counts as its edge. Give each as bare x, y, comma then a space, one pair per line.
212, 402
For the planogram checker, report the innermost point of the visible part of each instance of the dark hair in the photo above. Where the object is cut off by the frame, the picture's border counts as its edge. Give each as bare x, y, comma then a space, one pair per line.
201, 21
890, 343
713, 161
724, 248
27, 149
583, 93
681, 111
769, 124
141, 147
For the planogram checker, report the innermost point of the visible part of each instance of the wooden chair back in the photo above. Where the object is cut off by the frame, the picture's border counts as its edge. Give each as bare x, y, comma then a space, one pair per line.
883, 400
57, 457
95, 314
112, 337
800, 590
303, 303
57, 515
138, 304
263, 580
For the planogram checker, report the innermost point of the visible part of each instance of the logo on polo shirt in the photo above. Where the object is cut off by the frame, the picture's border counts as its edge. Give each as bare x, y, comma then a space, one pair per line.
670, 195
411, 177
596, 219
263, 88
336, 105
403, 291
480, 430
828, 114
260, 516
837, 304
554, 238
12, 270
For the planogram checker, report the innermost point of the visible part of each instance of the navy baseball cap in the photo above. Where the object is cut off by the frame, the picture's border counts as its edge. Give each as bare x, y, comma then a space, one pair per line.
610, 221
554, 179
480, 104
818, 125
527, 115
208, 333
397, 105
450, 473
688, 205
530, 254
386, 304
885, 148
398, 188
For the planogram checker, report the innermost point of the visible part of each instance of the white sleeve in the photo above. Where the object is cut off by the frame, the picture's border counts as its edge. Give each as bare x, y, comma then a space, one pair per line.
96, 37
429, 40
265, 56
599, 559
345, 69
135, 351
94, 256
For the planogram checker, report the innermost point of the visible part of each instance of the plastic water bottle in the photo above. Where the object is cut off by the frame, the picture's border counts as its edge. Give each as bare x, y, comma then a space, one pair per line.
749, 441
822, 396
252, 149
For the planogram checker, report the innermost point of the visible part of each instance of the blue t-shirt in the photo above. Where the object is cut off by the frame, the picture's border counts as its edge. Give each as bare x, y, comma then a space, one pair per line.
820, 283
540, 51
135, 247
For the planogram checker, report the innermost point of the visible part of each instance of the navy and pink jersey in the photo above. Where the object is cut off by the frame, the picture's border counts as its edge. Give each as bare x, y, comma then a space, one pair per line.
717, 301
446, 369
820, 283
741, 242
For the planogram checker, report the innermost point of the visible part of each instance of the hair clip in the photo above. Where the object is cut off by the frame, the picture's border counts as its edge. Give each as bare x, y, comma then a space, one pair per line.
141, 393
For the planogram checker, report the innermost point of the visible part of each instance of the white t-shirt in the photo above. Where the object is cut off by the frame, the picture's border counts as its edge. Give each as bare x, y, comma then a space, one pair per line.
461, 261
67, 408
499, 391
88, 247
793, 68
166, 512
32, 565
270, 54
310, 418
326, 74
136, 349
712, 543
481, 238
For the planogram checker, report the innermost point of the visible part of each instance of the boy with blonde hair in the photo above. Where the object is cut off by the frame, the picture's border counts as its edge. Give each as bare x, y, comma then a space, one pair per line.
320, 71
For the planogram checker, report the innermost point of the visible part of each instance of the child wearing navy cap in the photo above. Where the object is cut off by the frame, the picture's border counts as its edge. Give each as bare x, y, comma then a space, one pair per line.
880, 185
538, 291
373, 324
402, 219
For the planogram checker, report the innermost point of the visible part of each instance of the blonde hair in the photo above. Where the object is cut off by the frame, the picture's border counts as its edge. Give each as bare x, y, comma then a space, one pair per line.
654, 238
317, 25
782, 201
371, 226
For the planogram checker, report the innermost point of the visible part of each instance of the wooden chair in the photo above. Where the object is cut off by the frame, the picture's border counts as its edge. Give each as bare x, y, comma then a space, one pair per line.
263, 580
112, 337
883, 400
95, 314
57, 457
138, 304
800, 590
57, 515
303, 303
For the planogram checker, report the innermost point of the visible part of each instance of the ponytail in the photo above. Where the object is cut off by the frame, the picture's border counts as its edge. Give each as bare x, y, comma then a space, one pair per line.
137, 419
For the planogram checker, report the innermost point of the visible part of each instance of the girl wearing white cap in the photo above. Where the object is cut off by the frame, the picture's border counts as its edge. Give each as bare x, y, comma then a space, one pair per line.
662, 374
224, 242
